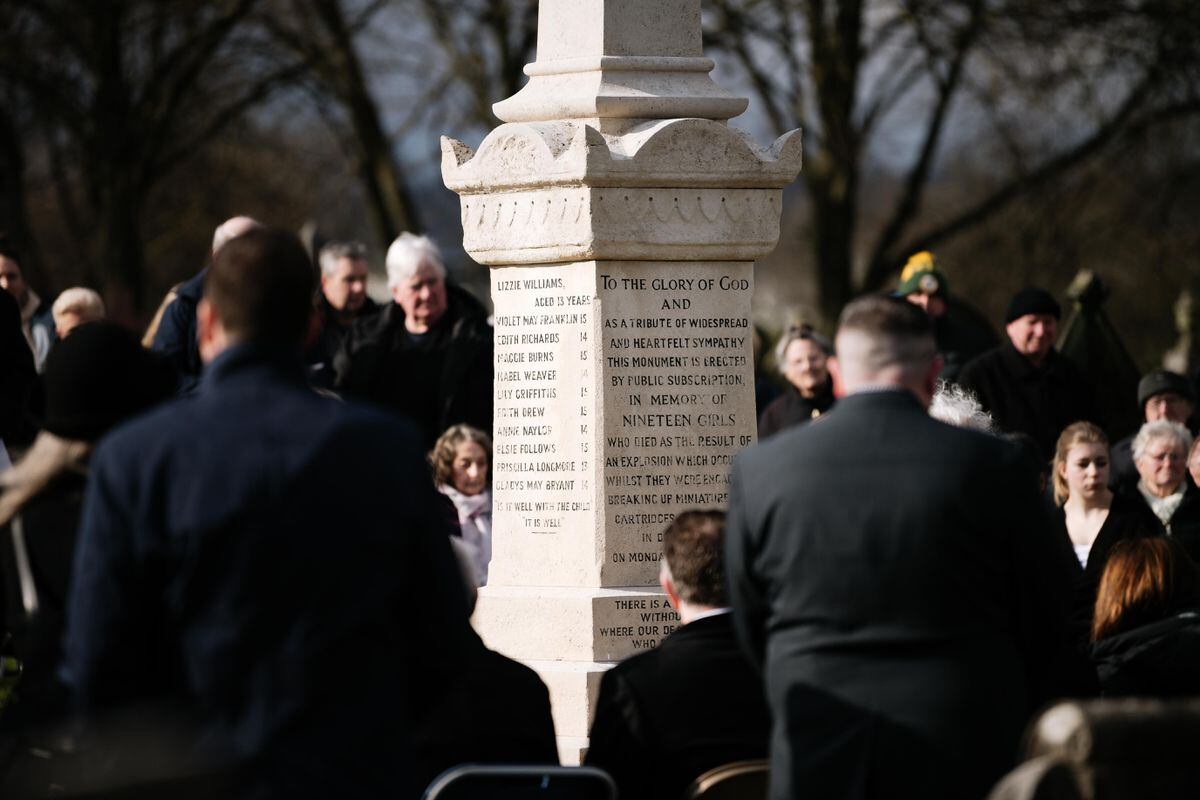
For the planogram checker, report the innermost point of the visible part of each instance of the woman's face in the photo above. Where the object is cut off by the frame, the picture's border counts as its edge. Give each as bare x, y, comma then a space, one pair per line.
804, 366
1161, 466
1086, 470
470, 468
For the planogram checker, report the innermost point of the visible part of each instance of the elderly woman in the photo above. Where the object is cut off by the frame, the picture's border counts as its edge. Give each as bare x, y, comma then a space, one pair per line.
1160, 454
801, 354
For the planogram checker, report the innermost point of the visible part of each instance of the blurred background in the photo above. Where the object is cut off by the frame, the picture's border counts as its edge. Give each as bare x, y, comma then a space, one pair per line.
1020, 140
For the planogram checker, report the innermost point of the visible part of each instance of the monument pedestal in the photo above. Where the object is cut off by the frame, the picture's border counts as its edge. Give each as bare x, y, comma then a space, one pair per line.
620, 226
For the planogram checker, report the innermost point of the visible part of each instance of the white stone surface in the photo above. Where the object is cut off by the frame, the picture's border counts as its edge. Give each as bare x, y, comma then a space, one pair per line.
622, 389
620, 215
619, 59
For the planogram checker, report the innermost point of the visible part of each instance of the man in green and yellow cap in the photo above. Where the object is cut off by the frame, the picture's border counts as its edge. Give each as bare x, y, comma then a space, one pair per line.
960, 331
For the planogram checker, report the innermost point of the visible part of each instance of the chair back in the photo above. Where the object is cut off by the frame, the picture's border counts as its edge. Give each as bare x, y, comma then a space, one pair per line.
740, 780
483, 782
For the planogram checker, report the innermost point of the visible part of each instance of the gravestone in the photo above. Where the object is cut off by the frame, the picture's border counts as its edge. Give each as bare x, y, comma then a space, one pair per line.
620, 216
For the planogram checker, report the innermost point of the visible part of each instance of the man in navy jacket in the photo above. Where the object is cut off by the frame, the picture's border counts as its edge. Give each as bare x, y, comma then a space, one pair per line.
264, 565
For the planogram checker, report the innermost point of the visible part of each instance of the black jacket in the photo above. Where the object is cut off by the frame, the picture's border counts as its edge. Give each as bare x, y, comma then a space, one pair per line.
666, 716
380, 362
1184, 524
1161, 659
792, 408
322, 353
1022, 398
176, 337
899, 582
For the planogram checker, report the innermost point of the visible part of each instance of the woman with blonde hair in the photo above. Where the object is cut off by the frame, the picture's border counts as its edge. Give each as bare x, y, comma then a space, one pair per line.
1095, 519
1146, 626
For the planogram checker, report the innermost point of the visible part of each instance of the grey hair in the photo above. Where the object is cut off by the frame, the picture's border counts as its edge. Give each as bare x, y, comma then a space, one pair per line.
959, 407
1161, 429
334, 252
798, 333
80, 300
408, 254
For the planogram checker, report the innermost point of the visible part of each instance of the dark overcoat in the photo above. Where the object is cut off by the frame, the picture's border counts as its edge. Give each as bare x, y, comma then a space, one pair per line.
269, 561
667, 715
376, 363
1023, 398
899, 583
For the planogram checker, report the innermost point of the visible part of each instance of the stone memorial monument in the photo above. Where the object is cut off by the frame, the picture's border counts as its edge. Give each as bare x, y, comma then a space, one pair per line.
620, 216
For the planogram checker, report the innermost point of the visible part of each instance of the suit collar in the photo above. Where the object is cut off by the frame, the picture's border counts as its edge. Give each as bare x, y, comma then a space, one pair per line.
878, 398
252, 358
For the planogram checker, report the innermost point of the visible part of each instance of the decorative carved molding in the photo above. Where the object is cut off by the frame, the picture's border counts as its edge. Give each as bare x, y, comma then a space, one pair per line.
556, 224
658, 153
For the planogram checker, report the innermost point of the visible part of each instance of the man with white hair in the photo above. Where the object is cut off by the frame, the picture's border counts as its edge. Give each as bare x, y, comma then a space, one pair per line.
428, 354
896, 579
176, 335
75, 306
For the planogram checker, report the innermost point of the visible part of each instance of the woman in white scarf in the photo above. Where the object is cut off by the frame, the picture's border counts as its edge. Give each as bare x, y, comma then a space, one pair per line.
462, 460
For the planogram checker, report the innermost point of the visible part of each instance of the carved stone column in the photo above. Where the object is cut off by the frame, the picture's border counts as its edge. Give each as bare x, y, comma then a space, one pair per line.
620, 216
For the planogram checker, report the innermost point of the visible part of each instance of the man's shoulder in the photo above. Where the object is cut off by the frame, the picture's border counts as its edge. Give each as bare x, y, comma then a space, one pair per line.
688, 650
988, 362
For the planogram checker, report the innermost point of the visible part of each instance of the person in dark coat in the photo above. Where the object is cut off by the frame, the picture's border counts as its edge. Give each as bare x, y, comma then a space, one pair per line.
1162, 394
897, 581
666, 716
801, 355
1147, 621
17, 371
1164, 489
959, 330
176, 335
428, 354
343, 302
263, 564
1025, 384
94, 379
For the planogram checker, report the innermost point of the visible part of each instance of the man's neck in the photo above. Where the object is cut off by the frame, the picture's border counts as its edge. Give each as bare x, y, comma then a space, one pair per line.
690, 612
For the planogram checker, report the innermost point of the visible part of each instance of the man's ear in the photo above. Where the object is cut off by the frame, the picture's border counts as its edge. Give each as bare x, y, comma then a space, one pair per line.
210, 334
835, 375
668, 585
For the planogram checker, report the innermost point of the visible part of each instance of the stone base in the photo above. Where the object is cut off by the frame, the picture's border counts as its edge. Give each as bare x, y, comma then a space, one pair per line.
574, 687
572, 625
571, 751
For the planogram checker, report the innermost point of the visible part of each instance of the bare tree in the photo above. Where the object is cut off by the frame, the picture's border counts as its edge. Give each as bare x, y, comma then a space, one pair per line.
121, 93
1054, 83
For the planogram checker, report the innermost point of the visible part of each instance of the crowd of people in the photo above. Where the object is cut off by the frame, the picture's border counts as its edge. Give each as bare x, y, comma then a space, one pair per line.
249, 545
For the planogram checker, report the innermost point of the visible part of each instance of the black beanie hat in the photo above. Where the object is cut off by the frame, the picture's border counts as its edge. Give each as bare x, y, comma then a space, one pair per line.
1032, 300
98, 376
1161, 381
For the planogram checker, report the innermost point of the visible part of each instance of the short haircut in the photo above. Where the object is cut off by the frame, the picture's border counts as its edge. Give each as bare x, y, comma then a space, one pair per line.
441, 458
1073, 434
261, 286
1145, 579
1161, 429
81, 301
693, 550
796, 333
408, 254
958, 406
334, 252
878, 332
